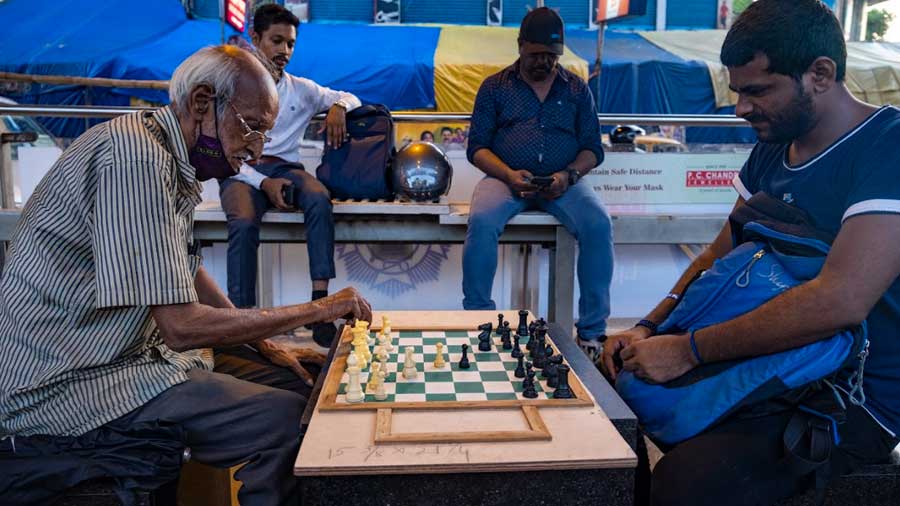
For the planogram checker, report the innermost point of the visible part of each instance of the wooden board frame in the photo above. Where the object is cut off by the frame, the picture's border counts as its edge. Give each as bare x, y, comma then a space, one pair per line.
328, 401
537, 431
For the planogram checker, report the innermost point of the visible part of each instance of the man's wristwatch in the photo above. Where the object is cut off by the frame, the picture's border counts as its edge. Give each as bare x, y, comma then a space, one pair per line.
574, 176
342, 105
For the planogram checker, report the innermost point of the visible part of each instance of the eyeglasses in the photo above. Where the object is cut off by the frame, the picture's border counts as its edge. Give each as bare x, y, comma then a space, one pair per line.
250, 135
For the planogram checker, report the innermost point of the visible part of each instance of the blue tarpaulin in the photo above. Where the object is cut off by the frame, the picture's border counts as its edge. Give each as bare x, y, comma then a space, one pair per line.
639, 77
391, 65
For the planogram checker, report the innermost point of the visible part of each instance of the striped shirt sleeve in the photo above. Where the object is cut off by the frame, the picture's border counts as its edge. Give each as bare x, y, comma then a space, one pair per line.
875, 178
139, 248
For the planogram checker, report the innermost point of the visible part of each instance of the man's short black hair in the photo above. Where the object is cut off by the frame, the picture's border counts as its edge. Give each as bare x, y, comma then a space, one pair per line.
792, 34
273, 14
446, 129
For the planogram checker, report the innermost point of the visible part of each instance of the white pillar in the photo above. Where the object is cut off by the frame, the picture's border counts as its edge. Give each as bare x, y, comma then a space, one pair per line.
661, 15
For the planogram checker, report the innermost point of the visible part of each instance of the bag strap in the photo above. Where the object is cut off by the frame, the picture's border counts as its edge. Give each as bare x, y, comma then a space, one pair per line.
811, 435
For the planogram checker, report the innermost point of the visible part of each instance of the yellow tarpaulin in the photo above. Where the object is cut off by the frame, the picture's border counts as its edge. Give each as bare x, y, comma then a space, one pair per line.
873, 69
466, 55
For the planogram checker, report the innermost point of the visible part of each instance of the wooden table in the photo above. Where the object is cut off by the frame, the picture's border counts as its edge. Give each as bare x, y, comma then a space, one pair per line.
585, 461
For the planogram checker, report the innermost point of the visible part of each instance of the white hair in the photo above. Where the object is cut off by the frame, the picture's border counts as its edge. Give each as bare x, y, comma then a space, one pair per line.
218, 67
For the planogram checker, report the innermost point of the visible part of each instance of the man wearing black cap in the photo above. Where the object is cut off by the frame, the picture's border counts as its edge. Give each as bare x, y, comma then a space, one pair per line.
536, 119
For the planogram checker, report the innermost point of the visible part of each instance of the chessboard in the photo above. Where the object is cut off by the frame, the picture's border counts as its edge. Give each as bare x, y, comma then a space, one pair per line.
489, 382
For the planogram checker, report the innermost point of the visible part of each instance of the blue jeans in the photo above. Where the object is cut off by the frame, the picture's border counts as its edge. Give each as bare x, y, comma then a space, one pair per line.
583, 215
245, 206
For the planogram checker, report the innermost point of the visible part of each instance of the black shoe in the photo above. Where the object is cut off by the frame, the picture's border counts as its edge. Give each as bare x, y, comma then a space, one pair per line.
323, 334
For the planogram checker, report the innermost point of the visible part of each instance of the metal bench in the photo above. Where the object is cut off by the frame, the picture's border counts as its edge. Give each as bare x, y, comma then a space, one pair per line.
442, 222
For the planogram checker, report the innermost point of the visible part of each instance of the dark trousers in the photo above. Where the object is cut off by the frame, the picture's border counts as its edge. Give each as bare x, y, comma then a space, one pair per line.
740, 462
244, 208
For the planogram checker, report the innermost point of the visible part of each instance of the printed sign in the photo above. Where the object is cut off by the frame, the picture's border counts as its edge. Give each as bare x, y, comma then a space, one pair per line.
667, 178
606, 10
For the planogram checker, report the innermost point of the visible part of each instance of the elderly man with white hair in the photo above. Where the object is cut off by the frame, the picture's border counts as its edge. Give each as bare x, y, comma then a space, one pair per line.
106, 315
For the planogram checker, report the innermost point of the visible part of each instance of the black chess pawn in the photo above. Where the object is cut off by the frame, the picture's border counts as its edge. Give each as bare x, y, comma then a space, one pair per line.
505, 331
528, 390
530, 343
520, 368
522, 329
499, 323
552, 371
517, 351
549, 363
464, 361
534, 342
539, 355
562, 389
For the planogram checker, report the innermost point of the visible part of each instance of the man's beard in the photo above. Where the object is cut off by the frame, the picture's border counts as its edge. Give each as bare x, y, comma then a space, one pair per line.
793, 122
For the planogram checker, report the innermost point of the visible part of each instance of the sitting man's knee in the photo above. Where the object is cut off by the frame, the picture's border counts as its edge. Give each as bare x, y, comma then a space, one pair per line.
317, 198
284, 410
596, 224
243, 226
484, 223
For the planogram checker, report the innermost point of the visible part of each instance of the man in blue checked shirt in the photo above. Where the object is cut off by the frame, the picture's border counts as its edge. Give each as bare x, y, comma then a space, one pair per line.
535, 118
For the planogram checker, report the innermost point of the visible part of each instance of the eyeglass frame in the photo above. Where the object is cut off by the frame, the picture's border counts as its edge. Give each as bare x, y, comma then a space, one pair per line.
248, 132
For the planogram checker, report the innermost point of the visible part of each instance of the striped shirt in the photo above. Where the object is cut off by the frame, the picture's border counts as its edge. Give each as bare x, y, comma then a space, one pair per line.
107, 233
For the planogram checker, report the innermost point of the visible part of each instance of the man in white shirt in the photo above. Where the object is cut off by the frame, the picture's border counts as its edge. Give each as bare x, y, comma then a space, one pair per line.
247, 196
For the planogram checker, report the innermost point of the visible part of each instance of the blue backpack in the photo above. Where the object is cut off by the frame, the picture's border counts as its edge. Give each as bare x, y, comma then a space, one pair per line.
776, 249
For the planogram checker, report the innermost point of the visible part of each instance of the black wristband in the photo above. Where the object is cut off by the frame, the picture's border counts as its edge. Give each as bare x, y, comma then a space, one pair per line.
647, 324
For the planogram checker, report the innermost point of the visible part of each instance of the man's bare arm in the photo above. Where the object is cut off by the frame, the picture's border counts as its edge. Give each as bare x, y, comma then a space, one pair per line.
197, 325
864, 261
584, 162
208, 292
617, 342
720, 247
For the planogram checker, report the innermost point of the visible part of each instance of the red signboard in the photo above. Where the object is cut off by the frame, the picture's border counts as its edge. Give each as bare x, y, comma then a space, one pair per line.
710, 178
611, 9
236, 13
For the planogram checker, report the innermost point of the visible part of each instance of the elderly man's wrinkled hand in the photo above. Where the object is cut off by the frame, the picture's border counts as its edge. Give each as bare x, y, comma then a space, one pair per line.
292, 358
347, 303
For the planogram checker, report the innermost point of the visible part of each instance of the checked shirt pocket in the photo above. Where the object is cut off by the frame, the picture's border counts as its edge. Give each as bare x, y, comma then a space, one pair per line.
561, 115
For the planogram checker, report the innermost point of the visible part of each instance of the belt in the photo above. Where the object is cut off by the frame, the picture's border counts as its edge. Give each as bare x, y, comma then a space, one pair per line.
266, 159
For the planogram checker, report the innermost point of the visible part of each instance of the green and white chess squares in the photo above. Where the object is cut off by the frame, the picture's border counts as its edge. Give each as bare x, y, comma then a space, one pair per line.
490, 375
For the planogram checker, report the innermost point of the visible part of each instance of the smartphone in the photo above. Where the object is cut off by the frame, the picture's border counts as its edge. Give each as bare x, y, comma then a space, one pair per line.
287, 194
542, 181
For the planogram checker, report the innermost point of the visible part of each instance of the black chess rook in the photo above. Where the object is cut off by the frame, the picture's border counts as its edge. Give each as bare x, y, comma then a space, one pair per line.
562, 389
522, 329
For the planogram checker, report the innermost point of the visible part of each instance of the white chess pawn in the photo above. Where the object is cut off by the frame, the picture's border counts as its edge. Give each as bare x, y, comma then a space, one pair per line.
409, 364
354, 389
382, 355
373, 377
380, 393
386, 330
439, 362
